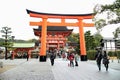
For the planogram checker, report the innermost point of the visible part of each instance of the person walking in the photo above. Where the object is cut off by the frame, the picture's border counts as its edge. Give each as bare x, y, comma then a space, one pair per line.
27, 56
71, 58
105, 60
98, 58
76, 59
52, 57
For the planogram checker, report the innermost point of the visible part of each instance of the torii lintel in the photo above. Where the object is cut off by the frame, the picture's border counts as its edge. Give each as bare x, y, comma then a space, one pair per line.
61, 16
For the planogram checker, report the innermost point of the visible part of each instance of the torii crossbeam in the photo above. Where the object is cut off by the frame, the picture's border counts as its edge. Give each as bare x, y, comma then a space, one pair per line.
44, 23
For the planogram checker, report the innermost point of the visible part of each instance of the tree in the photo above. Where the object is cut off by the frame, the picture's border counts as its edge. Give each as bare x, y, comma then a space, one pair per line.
74, 38
92, 41
32, 40
6, 34
116, 32
97, 38
112, 12
89, 40
99, 24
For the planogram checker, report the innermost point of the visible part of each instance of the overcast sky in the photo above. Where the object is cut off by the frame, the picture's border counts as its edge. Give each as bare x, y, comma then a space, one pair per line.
13, 13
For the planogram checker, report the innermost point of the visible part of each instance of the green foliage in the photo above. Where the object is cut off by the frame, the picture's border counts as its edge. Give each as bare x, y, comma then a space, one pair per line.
112, 12
91, 54
74, 37
89, 40
116, 32
32, 40
1, 41
97, 37
92, 41
111, 53
114, 54
100, 24
6, 34
118, 54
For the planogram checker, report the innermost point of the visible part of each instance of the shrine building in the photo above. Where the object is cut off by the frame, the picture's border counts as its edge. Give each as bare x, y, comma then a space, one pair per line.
22, 49
56, 36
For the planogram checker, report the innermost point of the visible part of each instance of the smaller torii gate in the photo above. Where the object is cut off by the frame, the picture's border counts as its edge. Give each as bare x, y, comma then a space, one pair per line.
44, 23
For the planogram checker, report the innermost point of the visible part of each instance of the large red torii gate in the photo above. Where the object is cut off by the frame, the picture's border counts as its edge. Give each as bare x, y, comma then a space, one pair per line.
44, 23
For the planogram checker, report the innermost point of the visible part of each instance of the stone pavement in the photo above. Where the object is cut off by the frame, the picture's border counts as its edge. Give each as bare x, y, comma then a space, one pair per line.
35, 70
27, 70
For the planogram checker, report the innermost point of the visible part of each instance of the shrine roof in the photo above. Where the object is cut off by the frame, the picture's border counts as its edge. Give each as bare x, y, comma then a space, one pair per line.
23, 45
54, 28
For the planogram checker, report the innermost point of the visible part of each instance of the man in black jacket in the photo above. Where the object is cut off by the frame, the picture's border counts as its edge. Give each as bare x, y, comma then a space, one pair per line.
98, 58
52, 57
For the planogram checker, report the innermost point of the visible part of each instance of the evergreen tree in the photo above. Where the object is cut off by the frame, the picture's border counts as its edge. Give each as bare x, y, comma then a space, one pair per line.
6, 34
89, 40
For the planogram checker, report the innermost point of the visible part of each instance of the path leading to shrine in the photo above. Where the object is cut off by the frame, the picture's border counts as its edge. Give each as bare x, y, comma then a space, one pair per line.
35, 70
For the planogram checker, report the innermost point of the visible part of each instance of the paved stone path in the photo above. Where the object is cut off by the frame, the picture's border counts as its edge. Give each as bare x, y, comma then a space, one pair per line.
35, 70
28, 70
86, 71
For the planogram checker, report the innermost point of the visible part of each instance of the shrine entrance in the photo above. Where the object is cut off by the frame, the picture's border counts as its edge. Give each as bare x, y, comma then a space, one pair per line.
44, 23
56, 36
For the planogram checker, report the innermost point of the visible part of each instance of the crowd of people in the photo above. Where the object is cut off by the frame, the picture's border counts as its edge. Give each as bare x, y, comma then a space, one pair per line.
100, 57
73, 57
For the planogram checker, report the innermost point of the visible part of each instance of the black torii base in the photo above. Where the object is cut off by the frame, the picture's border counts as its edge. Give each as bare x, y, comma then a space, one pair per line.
83, 57
42, 58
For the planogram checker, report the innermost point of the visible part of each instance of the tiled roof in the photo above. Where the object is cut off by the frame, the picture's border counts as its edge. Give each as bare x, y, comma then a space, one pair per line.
54, 28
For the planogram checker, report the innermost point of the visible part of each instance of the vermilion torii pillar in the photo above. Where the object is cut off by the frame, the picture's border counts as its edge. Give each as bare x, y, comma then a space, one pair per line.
44, 23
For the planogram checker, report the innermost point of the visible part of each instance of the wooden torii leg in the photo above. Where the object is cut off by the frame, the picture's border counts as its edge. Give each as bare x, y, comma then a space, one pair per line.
29, 54
43, 40
82, 41
13, 54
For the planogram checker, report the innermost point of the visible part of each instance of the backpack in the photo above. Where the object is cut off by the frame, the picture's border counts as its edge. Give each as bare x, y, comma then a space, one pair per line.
105, 61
